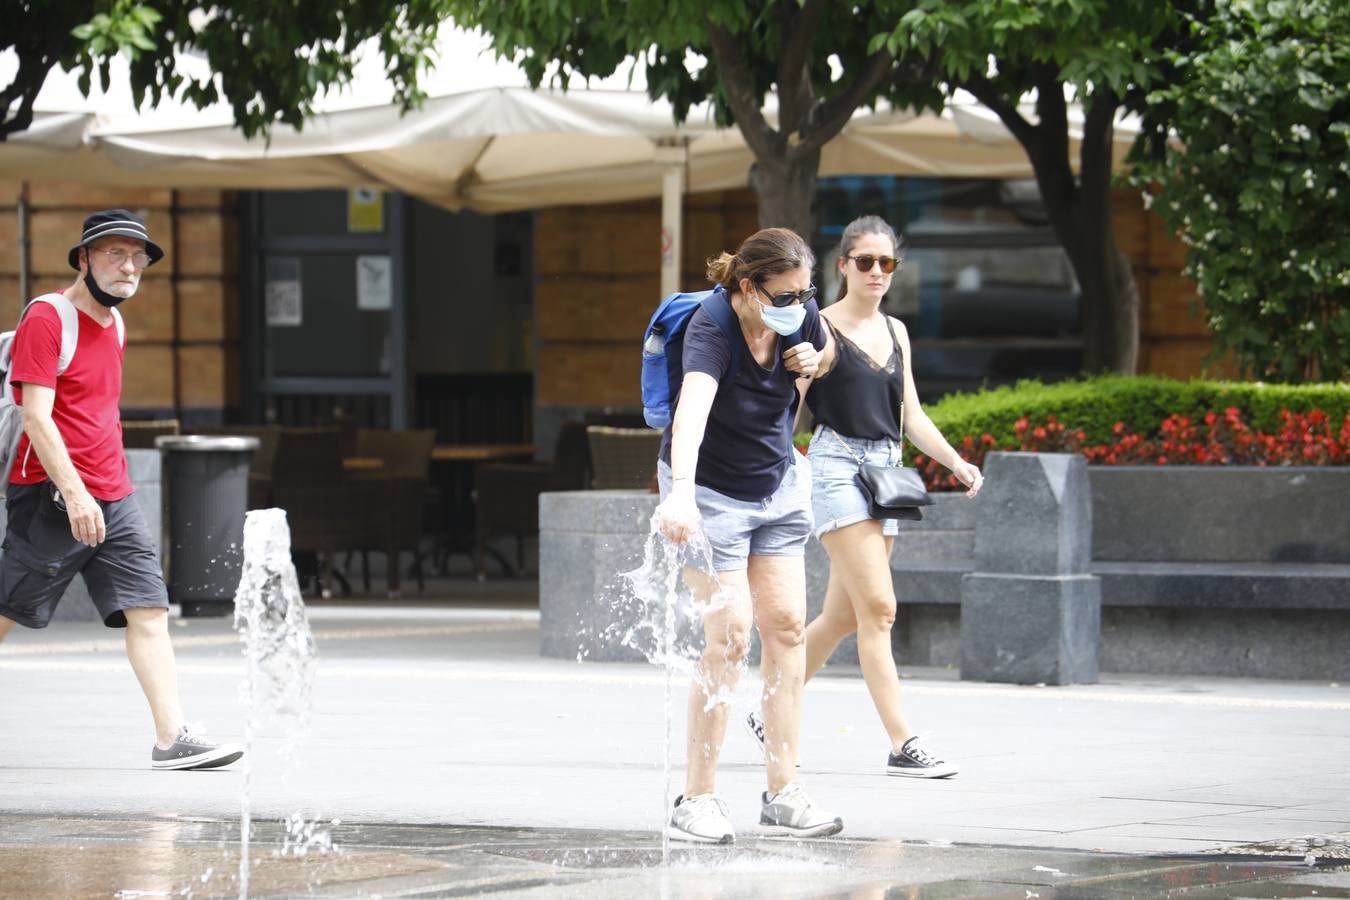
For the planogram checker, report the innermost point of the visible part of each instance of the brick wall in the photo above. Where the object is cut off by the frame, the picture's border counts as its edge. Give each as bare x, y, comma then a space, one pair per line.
598, 270
182, 325
1173, 337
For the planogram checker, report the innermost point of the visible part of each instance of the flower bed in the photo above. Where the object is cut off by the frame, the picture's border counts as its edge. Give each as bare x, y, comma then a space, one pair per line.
1152, 421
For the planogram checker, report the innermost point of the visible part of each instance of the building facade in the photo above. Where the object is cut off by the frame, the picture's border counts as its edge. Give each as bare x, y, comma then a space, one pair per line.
297, 306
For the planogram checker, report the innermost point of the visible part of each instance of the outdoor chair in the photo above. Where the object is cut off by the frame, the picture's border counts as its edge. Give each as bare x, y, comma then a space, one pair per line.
400, 499
623, 458
507, 494
140, 434
326, 510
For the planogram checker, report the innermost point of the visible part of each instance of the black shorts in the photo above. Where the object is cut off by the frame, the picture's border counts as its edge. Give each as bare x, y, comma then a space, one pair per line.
40, 558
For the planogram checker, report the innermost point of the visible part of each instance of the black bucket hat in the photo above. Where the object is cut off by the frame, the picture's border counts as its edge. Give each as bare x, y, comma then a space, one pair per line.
115, 222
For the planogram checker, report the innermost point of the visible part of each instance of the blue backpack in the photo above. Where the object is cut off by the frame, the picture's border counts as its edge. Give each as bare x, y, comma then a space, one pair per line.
663, 348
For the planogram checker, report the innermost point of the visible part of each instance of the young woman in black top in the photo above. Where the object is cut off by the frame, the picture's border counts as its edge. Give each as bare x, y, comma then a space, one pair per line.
855, 399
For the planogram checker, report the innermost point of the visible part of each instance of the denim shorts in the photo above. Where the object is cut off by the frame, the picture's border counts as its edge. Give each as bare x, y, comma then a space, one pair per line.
836, 496
738, 529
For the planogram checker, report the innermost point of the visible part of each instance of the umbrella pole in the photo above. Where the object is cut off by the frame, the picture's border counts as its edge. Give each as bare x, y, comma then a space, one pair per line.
672, 200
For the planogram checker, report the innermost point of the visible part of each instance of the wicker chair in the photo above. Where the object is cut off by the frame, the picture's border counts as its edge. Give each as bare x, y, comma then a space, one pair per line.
400, 501
140, 434
507, 494
327, 511
623, 458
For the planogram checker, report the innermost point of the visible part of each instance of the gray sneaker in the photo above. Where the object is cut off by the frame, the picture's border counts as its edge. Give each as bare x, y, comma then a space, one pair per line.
792, 813
192, 752
702, 819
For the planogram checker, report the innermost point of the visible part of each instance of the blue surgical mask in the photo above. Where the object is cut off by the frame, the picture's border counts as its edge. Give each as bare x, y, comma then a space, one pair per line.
785, 320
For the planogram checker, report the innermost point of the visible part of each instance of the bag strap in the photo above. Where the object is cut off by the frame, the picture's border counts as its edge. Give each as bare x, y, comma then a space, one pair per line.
718, 305
70, 325
895, 341
121, 327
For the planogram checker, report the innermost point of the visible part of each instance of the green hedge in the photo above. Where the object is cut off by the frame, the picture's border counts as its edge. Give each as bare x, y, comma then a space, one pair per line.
1141, 402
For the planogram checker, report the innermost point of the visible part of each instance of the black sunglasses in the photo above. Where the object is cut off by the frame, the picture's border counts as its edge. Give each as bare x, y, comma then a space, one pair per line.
866, 261
787, 298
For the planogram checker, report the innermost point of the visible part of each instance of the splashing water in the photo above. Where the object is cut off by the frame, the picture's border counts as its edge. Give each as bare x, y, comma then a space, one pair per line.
279, 651
663, 622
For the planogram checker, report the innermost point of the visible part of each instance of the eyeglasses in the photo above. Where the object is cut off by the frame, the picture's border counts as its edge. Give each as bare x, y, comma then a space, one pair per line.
139, 259
787, 298
866, 261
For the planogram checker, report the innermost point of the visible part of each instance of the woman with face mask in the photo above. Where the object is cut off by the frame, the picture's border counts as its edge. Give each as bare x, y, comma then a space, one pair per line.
727, 465
855, 398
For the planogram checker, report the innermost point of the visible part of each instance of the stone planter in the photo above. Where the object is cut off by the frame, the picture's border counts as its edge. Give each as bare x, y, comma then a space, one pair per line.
1204, 570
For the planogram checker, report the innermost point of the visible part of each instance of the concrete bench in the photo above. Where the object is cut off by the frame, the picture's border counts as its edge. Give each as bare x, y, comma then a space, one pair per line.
1220, 571
1217, 571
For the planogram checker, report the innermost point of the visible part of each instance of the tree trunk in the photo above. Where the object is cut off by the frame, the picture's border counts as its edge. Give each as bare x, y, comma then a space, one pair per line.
786, 188
1110, 299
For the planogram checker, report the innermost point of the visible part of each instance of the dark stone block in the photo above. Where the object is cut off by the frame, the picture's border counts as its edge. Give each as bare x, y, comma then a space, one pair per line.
937, 582
144, 467
587, 540
949, 512
1034, 515
1221, 513
1030, 629
1272, 586
1239, 643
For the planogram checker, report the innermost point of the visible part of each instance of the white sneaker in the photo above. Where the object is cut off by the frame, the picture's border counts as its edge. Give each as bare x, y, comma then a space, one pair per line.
790, 812
702, 819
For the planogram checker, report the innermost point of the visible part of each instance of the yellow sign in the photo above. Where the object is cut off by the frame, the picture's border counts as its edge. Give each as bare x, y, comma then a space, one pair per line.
365, 210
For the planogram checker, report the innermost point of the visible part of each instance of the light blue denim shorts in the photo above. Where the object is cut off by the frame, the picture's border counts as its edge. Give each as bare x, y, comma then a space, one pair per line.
837, 498
739, 529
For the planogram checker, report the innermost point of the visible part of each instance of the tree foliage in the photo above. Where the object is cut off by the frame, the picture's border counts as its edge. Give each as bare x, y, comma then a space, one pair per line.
820, 59
1103, 54
824, 60
1257, 180
270, 59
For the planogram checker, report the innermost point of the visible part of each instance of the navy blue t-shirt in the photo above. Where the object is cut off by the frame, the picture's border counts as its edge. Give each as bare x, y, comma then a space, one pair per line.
747, 444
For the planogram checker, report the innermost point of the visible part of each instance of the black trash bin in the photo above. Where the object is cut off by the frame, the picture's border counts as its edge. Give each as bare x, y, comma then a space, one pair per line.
207, 479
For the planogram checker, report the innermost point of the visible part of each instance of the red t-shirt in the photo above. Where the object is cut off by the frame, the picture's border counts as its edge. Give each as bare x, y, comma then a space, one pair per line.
88, 395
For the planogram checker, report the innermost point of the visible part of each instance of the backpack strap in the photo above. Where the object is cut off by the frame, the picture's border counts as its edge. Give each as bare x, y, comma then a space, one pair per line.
70, 325
121, 327
718, 305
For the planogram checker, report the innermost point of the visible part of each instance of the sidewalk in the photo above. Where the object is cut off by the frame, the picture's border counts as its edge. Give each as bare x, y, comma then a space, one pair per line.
448, 716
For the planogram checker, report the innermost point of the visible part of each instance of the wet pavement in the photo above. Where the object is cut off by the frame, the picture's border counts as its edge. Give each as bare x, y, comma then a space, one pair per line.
83, 859
459, 763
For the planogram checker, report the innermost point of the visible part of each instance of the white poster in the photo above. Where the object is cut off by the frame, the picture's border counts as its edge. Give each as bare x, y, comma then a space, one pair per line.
282, 296
374, 288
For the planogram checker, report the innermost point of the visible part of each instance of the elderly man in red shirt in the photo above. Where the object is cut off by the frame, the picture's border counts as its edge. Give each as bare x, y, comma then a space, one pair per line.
68, 500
